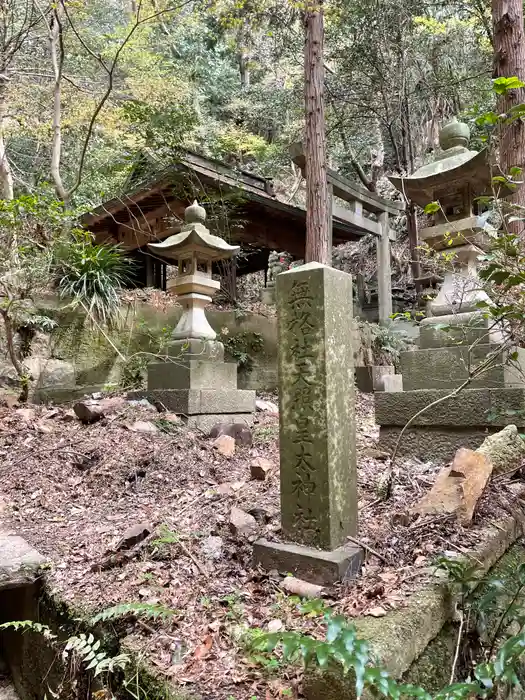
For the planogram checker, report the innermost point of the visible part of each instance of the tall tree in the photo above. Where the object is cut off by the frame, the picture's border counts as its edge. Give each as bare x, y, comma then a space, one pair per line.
318, 244
509, 61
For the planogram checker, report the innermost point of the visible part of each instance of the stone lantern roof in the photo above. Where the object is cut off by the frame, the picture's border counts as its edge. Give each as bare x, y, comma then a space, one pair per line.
452, 169
194, 237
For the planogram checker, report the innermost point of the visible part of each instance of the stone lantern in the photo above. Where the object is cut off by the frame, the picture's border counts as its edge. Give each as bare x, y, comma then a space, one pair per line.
455, 178
194, 380
456, 337
194, 250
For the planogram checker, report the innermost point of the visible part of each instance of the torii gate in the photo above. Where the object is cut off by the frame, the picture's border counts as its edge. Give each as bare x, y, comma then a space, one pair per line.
362, 199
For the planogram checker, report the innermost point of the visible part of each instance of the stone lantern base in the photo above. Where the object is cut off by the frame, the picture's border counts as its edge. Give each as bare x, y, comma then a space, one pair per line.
195, 382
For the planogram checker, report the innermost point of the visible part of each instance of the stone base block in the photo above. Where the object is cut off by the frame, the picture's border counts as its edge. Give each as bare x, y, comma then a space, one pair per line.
471, 408
194, 349
191, 402
206, 421
369, 378
447, 368
458, 329
440, 444
192, 374
391, 382
313, 565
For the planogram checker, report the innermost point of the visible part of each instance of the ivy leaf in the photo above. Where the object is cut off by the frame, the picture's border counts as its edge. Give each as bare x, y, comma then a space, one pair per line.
335, 626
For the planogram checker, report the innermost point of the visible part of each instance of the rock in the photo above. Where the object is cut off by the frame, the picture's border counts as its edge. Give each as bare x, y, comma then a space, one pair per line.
506, 449
242, 523
133, 535
261, 515
211, 547
90, 411
225, 445
240, 432
304, 589
9, 400
26, 414
141, 403
69, 415
49, 373
266, 406
458, 488
143, 426
260, 468
275, 626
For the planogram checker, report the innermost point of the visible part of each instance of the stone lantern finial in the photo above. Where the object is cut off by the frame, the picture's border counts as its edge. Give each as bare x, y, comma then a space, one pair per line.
195, 214
454, 134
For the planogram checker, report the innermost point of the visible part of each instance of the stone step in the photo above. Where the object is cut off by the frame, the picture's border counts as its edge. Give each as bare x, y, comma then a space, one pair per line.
19, 562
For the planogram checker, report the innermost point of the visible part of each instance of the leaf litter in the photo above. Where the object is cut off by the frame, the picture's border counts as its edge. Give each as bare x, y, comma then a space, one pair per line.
74, 491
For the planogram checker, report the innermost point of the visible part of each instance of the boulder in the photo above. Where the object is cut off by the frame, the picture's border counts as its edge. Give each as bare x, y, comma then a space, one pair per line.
506, 449
51, 373
240, 432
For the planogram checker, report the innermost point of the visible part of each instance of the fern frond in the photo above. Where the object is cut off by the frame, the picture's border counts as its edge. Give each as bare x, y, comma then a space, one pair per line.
87, 648
25, 625
138, 609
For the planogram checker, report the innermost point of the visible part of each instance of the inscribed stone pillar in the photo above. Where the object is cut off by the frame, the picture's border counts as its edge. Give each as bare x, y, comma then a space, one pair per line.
384, 271
317, 426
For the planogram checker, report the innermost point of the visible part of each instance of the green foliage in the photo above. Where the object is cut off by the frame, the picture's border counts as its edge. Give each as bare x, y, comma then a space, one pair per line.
135, 609
95, 660
91, 275
387, 342
242, 346
29, 625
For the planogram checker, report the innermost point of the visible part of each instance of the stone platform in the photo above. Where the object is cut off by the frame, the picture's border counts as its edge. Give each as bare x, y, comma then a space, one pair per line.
460, 421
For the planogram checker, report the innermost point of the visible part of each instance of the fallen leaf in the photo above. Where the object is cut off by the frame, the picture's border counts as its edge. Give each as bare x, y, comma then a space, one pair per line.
376, 612
203, 649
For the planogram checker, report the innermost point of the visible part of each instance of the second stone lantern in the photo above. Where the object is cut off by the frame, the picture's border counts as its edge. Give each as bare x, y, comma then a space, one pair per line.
194, 380
455, 337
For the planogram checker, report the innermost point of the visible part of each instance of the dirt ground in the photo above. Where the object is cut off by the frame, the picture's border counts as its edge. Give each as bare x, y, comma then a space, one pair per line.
73, 490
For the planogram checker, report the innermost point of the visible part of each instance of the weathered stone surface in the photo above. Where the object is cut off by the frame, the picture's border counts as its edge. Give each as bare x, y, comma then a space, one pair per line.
447, 368
240, 432
439, 444
19, 562
313, 565
225, 445
193, 402
260, 468
470, 408
304, 589
205, 422
390, 382
458, 488
317, 420
505, 450
192, 374
368, 378
457, 329
51, 372
242, 523
26, 414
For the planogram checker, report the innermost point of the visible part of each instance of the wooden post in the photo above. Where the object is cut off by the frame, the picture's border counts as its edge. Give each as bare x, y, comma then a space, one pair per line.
384, 271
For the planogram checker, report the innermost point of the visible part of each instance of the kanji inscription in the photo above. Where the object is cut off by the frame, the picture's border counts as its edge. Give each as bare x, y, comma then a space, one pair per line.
316, 435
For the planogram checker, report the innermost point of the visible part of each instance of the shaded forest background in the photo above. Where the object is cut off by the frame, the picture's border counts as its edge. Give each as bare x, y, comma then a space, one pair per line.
85, 86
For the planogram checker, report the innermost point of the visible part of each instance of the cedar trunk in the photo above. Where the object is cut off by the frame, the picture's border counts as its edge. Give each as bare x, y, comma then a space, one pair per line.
318, 247
509, 61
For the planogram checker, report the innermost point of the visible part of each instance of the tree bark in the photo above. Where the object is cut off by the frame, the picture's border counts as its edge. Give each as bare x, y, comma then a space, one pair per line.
6, 175
57, 60
317, 228
509, 61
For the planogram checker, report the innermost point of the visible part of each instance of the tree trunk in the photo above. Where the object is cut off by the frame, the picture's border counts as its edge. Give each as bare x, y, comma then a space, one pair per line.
317, 230
6, 176
57, 60
509, 61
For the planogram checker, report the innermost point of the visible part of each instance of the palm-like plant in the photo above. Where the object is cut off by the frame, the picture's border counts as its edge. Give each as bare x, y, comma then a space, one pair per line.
91, 275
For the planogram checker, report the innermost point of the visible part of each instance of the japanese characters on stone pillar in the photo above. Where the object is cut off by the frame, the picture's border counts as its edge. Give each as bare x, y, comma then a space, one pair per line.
317, 427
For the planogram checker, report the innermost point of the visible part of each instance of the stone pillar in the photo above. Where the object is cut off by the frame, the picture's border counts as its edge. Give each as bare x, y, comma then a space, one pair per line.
384, 271
317, 427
